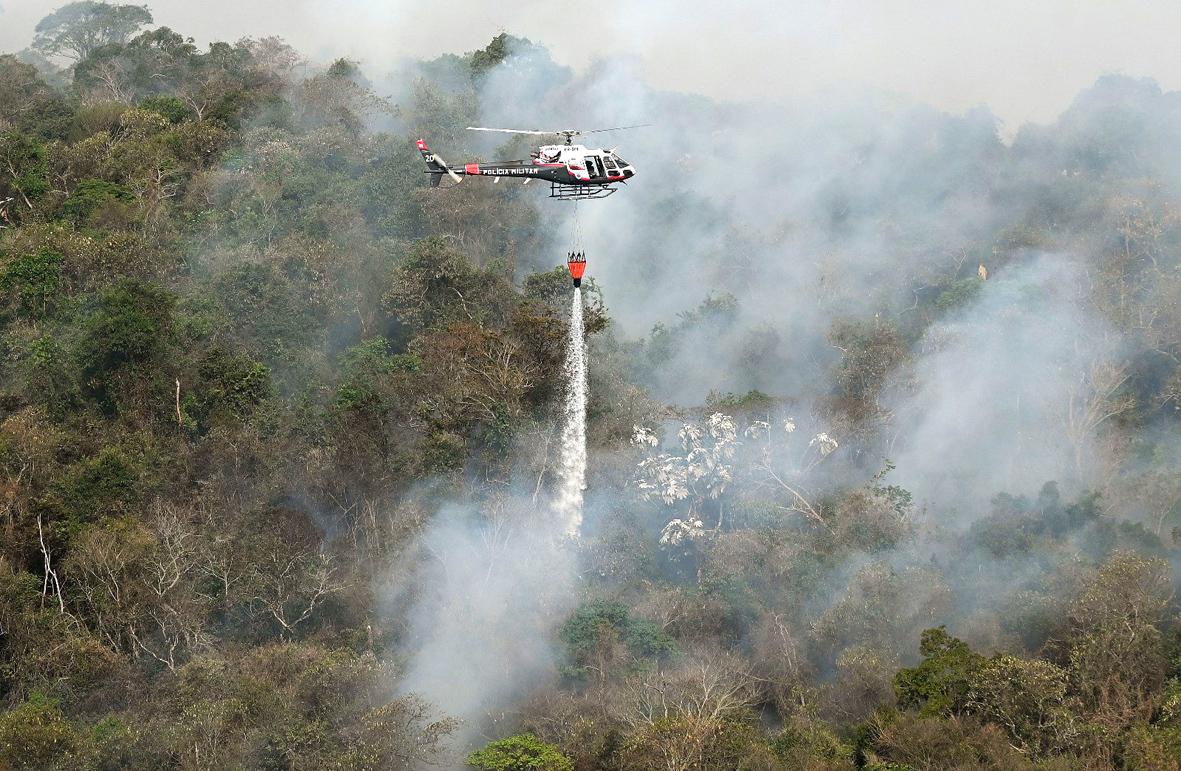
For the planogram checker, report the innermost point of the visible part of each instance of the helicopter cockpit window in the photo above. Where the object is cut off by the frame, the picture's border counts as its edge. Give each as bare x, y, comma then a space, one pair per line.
610, 163
619, 160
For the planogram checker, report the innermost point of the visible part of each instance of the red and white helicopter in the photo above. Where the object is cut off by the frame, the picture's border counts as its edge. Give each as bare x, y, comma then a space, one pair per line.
575, 172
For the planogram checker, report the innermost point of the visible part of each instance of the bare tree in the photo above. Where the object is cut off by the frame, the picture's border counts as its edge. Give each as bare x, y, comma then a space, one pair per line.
289, 585
707, 684
1095, 398
171, 623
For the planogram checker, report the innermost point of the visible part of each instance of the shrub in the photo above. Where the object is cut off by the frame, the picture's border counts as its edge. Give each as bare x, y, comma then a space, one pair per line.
31, 282
36, 735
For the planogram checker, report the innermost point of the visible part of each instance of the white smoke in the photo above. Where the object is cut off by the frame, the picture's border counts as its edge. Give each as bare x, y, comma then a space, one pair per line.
490, 588
996, 399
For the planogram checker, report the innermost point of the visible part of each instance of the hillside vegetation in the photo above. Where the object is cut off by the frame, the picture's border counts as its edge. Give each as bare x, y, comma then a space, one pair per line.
277, 422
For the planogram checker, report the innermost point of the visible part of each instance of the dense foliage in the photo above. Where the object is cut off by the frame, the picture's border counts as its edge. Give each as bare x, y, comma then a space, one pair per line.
247, 357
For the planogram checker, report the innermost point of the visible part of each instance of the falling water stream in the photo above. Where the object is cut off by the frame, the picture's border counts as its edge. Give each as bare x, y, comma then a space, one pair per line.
572, 473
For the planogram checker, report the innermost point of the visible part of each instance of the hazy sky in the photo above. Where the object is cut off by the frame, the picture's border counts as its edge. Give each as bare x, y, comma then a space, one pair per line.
1024, 59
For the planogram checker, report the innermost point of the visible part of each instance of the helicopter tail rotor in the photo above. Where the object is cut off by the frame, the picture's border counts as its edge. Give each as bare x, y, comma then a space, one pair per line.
435, 165
447, 169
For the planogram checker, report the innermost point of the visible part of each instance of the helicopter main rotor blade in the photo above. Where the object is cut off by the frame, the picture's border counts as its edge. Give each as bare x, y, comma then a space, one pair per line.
561, 132
617, 128
513, 131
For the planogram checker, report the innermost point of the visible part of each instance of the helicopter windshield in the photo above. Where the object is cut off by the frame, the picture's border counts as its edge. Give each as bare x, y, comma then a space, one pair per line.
619, 160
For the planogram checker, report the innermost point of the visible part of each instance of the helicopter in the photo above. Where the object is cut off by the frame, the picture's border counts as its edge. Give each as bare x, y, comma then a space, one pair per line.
575, 172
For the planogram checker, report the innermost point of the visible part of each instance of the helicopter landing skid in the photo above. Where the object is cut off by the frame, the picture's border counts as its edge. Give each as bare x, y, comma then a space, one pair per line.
579, 192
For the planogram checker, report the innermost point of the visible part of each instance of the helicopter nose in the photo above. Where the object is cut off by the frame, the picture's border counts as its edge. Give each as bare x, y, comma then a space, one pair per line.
628, 172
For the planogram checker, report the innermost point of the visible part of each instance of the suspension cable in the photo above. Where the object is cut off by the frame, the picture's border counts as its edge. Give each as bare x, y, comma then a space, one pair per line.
576, 228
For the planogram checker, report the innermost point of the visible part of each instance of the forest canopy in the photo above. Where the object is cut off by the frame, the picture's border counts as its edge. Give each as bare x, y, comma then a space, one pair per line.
884, 462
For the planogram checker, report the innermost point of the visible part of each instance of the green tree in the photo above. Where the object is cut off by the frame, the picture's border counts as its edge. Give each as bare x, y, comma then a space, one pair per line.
130, 324
1116, 650
340, 98
151, 63
435, 284
597, 628
28, 102
870, 351
24, 172
1031, 700
524, 752
29, 284
939, 685
484, 59
231, 388
77, 29
92, 195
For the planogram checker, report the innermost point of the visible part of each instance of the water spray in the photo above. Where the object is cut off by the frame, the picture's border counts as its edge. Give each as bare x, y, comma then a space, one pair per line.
572, 480
573, 458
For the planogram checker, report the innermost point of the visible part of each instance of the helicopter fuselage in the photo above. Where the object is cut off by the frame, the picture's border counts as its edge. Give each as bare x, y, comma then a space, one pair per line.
563, 164
571, 165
